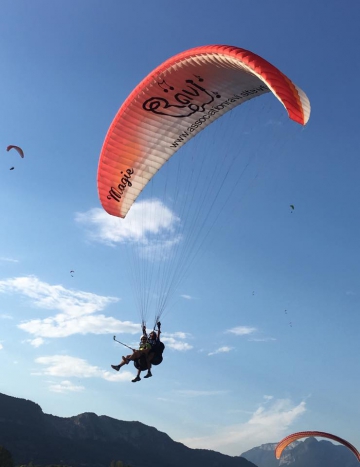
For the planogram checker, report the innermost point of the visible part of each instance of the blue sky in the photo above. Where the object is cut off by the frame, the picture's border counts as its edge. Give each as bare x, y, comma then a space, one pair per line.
236, 373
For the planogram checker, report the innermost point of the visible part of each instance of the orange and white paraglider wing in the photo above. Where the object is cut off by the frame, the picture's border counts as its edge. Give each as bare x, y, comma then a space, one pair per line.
174, 103
17, 148
305, 434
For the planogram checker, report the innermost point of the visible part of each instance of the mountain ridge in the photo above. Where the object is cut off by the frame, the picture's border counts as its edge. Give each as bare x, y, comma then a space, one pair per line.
89, 440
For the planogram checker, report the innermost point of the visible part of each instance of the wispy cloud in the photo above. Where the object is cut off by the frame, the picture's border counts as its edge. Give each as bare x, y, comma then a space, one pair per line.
265, 425
65, 387
223, 349
194, 393
149, 225
350, 292
4, 316
187, 297
78, 310
175, 341
262, 339
249, 330
274, 123
1, 346
242, 330
9, 260
268, 398
65, 366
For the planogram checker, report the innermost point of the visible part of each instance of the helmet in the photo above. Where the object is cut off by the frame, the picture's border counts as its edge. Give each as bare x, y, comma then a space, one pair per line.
143, 338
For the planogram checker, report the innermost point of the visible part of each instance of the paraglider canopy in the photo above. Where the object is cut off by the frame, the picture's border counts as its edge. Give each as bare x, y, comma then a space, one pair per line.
17, 148
173, 104
305, 434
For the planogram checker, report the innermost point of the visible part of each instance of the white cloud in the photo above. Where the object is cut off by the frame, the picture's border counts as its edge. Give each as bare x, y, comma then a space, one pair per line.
242, 330
56, 297
65, 387
73, 367
37, 342
224, 349
178, 335
175, 341
78, 310
61, 325
149, 225
1, 346
174, 344
265, 425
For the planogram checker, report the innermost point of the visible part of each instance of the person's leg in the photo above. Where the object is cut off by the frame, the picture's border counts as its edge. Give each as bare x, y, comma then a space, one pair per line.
137, 377
135, 355
149, 358
125, 361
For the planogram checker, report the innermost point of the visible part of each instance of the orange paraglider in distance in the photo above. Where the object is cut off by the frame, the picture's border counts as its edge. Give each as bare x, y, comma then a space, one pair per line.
305, 434
17, 148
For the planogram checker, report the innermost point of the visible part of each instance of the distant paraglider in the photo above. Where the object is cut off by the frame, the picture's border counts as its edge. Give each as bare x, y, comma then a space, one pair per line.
18, 149
292, 207
305, 434
72, 273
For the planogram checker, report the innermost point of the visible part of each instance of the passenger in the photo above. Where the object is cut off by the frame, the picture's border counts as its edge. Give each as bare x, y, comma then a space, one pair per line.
144, 349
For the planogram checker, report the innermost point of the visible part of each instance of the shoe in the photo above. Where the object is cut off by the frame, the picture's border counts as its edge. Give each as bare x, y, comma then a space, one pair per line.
148, 375
126, 360
136, 379
116, 367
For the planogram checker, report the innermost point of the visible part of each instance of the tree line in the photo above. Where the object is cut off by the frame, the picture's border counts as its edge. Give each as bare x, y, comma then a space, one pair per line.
6, 460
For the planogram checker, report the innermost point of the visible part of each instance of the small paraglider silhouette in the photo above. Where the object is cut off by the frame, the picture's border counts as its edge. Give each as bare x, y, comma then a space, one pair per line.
292, 207
72, 273
12, 168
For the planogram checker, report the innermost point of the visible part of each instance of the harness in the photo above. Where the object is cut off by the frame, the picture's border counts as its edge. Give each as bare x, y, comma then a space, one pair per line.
157, 347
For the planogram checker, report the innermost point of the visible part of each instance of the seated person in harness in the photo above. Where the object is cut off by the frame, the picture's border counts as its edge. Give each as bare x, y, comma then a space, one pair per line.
149, 353
144, 348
